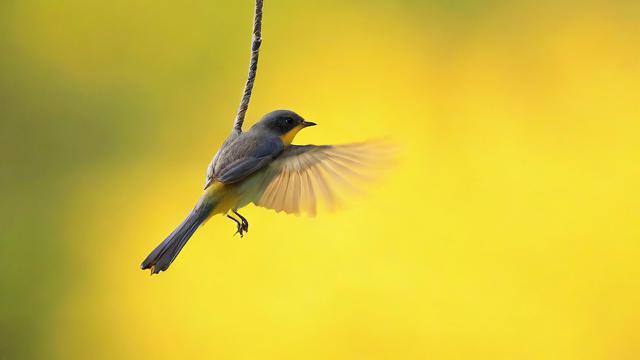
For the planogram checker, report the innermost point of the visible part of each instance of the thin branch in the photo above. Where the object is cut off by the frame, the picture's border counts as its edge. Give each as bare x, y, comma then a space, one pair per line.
253, 66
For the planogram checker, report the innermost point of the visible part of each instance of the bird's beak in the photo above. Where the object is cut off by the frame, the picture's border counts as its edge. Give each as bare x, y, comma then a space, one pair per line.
308, 123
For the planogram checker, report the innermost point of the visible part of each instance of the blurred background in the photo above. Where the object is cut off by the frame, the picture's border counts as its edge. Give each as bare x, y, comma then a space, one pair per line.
508, 229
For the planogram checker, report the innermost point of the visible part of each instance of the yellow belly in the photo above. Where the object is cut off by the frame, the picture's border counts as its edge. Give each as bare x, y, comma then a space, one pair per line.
225, 197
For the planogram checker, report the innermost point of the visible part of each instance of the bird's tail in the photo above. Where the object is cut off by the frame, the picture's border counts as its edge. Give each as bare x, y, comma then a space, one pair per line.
164, 254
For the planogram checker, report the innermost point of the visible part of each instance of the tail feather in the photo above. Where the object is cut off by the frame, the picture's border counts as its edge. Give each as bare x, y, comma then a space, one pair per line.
164, 254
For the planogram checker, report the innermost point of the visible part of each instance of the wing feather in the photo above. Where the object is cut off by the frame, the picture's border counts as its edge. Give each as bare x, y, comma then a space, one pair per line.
302, 177
310, 199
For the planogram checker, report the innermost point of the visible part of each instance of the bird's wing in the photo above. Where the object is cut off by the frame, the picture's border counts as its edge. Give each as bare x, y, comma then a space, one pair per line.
255, 157
300, 177
242, 168
210, 169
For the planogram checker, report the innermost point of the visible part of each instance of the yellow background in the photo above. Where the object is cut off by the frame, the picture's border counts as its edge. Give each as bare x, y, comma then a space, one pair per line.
508, 229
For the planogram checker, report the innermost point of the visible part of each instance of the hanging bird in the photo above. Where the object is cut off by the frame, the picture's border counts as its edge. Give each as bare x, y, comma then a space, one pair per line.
261, 166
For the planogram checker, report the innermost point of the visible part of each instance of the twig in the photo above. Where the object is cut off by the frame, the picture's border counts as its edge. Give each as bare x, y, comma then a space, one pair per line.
253, 66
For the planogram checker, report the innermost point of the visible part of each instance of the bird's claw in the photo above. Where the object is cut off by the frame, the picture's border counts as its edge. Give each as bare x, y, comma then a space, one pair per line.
245, 223
240, 230
242, 225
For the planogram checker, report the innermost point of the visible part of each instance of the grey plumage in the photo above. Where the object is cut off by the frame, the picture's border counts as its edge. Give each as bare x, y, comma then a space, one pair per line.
244, 153
164, 254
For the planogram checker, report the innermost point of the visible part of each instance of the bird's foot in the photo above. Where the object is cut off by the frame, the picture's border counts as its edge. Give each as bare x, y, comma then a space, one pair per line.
245, 223
240, 229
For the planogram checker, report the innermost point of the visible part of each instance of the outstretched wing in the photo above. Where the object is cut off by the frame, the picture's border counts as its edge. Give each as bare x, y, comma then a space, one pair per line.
303, 176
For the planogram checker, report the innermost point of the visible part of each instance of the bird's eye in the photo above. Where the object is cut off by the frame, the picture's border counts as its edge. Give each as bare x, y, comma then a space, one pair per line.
289, 121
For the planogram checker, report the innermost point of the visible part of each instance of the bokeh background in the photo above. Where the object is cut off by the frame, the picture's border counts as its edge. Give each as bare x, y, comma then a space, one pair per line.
507, 229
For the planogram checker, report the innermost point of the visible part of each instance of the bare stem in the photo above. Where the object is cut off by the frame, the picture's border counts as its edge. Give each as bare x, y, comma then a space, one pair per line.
253, 66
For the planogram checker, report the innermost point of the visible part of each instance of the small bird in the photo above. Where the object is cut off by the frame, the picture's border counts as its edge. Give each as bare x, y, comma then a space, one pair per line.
261, 166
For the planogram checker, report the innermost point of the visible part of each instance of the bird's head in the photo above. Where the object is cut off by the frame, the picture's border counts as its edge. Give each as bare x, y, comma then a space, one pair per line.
284, 123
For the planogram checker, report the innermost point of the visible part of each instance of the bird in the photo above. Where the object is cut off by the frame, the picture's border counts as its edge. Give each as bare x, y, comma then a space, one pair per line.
263, 167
